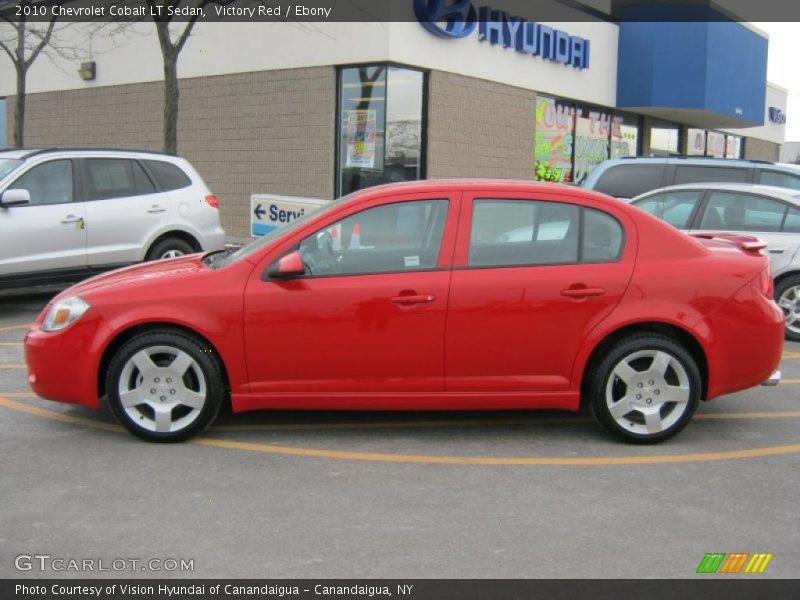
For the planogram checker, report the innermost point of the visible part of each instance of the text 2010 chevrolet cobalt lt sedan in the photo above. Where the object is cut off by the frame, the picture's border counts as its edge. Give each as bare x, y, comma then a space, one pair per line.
425, 296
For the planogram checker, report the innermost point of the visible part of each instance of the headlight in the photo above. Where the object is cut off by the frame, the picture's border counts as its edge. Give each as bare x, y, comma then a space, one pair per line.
64, 313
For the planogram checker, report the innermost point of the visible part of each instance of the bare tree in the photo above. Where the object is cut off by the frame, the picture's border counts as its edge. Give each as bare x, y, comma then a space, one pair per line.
23, 41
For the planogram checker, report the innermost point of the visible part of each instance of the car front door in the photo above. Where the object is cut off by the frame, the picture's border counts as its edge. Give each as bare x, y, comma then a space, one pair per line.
48, 233
123, 210
369, 313
532, 276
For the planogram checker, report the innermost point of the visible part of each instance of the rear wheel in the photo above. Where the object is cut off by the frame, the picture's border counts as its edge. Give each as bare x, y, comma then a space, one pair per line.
170, 247
165, 386
646, 389
787, 295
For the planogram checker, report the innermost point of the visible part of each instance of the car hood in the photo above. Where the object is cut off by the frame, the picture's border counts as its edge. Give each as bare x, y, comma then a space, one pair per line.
156, 271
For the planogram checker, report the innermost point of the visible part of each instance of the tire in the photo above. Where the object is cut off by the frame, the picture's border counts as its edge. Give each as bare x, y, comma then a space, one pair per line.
645, 389
144, 384
787, 295
170, 247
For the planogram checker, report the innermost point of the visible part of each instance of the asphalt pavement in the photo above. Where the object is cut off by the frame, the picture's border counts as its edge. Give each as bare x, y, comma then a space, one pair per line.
334, 495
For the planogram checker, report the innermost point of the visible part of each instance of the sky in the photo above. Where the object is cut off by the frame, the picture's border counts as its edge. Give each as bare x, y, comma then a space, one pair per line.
783, 69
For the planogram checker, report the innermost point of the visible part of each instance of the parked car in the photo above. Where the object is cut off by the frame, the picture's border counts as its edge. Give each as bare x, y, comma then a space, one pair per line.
769, 213
66, 214
345, 308
629, 177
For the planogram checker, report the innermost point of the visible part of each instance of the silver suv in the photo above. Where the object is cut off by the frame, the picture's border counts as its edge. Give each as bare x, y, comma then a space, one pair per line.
65, 214
770, 213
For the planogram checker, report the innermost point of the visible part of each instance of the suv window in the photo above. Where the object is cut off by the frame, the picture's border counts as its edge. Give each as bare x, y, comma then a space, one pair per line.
742, 212
47, 183
627, 181
787, 180
108, 178
404, 236
701, 174
673, 207
167, 176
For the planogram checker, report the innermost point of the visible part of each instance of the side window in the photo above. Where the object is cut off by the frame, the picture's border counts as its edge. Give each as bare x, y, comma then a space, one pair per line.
786, 180
792, 222
673, 207
48, 183
108, 178
742, 212
630, 180
523, 232
602, 237
168, 177
700, 174
404, 236
142, 181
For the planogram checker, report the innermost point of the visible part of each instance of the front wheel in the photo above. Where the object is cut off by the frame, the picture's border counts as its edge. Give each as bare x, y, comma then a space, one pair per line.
646, 389
787, 295
165, 386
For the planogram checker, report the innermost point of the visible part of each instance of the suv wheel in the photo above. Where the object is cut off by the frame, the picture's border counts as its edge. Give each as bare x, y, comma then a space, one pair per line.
170, 247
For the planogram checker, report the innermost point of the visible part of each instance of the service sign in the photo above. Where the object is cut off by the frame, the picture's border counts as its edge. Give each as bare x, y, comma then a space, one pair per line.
269, 212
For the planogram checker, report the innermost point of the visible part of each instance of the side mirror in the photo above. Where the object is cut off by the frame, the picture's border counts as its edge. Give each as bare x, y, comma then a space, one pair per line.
287, 267
14, 198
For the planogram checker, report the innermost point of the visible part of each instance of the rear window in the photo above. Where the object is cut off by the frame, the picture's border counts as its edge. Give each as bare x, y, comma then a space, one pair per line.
675, 208
627, 181
787, 180
702, 174
167, 176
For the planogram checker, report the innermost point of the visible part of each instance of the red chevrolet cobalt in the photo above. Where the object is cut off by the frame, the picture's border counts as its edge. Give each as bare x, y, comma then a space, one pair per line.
433, 295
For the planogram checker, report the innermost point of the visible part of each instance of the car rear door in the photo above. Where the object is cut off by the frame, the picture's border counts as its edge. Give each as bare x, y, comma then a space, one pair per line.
123, 210
369, 315
48, 234
532, 276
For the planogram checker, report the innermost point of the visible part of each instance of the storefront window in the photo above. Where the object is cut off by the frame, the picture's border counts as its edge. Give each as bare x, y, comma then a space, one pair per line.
592, 132
715, 145
733, 146
624, 136
555, 130
2, 123
380, 126
664, 138
696, 142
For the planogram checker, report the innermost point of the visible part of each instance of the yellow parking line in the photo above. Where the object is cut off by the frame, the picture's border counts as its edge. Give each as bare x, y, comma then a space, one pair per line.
16, 327
789, 381
12, 366
10, 343
430, 459
791, 355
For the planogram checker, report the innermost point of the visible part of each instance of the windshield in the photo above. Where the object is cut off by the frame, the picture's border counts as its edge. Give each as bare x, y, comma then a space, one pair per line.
273, 235
7, 165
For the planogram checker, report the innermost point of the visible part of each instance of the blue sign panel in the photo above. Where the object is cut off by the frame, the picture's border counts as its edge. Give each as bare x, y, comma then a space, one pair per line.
459, 19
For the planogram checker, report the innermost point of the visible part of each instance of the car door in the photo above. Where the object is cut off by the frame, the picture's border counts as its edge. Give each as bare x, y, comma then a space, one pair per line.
123, 210
48, 233
759, 215
532, 276
368, 315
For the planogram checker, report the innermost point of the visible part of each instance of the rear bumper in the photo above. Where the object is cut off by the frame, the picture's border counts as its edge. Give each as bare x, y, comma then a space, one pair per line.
773, 380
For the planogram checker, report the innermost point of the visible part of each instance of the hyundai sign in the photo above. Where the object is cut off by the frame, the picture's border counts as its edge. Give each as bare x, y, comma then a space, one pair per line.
459, 19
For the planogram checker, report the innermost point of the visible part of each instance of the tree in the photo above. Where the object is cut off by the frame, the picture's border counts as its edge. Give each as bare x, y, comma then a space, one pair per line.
23, 41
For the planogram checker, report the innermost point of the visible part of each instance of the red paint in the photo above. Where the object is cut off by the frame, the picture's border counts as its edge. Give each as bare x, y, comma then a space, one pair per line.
449, 338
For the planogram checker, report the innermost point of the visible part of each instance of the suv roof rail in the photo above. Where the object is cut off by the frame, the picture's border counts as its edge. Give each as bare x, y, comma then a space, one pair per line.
94, 149
685, 157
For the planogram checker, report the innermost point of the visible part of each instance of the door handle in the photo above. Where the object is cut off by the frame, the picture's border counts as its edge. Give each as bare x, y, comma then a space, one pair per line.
156, 209
415, 299
72, 219
582, 292
777, 250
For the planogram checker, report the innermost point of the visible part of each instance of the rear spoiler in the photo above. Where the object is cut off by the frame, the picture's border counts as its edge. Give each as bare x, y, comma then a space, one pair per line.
747, 243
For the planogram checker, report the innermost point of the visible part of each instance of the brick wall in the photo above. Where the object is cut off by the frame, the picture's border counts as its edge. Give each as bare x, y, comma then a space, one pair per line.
269, 131
478, 128
755, 149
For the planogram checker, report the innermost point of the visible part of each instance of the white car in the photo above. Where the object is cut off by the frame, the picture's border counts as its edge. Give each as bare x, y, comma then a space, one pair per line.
66, 214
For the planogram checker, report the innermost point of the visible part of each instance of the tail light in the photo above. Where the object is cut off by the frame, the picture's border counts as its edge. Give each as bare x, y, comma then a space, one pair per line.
765, 284
212, 201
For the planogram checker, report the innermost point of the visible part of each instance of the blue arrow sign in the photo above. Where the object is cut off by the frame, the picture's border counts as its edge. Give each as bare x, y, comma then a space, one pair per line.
259, 212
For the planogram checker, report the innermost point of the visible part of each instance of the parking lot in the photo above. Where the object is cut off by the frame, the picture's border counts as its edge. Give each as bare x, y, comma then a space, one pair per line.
456, 495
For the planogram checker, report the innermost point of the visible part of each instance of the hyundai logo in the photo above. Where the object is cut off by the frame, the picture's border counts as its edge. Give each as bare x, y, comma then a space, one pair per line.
456, 19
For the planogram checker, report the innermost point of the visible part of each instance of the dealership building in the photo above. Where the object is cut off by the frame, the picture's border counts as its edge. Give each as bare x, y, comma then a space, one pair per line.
320, 109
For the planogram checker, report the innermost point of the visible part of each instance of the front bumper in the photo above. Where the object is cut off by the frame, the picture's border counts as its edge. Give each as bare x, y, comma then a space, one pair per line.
773, 380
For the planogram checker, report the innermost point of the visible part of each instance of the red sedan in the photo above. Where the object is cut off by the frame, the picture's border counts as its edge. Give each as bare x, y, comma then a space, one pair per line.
426, 296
